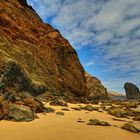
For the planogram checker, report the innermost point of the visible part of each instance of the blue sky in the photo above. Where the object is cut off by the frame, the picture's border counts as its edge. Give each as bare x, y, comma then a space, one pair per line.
105, 33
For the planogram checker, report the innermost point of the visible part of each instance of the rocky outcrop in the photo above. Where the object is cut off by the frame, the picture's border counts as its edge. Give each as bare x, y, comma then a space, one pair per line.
36, 55
97, 90
132, 91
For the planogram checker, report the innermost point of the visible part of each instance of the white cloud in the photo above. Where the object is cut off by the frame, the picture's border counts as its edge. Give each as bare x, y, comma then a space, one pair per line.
136, 33
89, 64
112, 27
103, 37
128, 26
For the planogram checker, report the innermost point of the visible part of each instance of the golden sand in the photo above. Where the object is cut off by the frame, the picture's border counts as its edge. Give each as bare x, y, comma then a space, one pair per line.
55, 127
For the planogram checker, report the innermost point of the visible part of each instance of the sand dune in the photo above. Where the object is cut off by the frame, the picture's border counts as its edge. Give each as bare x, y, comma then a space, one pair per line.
52, 127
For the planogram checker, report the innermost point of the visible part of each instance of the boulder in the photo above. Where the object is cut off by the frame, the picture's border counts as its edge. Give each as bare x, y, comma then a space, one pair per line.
60, 113
49, 110
97, 122
57, 102
130, 127
20, 113
132, 91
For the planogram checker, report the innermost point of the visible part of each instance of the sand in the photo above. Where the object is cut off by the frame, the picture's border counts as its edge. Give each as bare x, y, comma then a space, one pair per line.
56, 127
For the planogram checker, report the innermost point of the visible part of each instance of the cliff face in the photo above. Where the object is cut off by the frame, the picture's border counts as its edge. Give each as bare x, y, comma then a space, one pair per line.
35, 53
97, 90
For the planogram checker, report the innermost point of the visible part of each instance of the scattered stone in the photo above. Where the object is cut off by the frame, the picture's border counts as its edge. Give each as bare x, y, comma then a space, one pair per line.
115, 125
97, 122
76, 108
87, 112
116, 119
60, 113
118, 112
131, 128
65, 109
80, 121
57, 102
136, 118
89, 108
49, 110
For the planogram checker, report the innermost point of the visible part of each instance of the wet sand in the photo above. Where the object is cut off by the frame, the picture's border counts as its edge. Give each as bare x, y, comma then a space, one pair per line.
56, 127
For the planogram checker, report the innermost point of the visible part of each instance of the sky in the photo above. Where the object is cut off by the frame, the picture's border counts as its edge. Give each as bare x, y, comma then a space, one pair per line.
105, 34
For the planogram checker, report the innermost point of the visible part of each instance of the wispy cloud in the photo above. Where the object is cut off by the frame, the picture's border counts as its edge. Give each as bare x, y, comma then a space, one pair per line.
89, 64
110, 27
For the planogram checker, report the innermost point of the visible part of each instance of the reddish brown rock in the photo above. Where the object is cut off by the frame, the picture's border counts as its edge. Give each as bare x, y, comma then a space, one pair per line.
42, 54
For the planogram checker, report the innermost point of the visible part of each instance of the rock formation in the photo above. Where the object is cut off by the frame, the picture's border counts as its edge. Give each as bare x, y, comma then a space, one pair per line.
36, 54
97, 90
132, 91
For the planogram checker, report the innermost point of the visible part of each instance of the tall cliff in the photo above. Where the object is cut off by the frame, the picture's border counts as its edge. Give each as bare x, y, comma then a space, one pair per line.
33, 54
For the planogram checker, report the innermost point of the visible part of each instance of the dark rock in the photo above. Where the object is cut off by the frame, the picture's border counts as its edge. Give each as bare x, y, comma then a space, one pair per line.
80, 121
131, 128
118, 112
60, 113
58, 102
97, 122
132, 91
136, 118
123, 112
89, 108
76, 108
65, 109
20, 113
49, 110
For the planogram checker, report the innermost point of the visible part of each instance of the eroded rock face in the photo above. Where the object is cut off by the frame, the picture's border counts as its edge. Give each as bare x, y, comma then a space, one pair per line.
40, 54
97, 90
132, 91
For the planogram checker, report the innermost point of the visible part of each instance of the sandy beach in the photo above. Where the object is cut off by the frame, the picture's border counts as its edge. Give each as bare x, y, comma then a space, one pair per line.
52, 127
